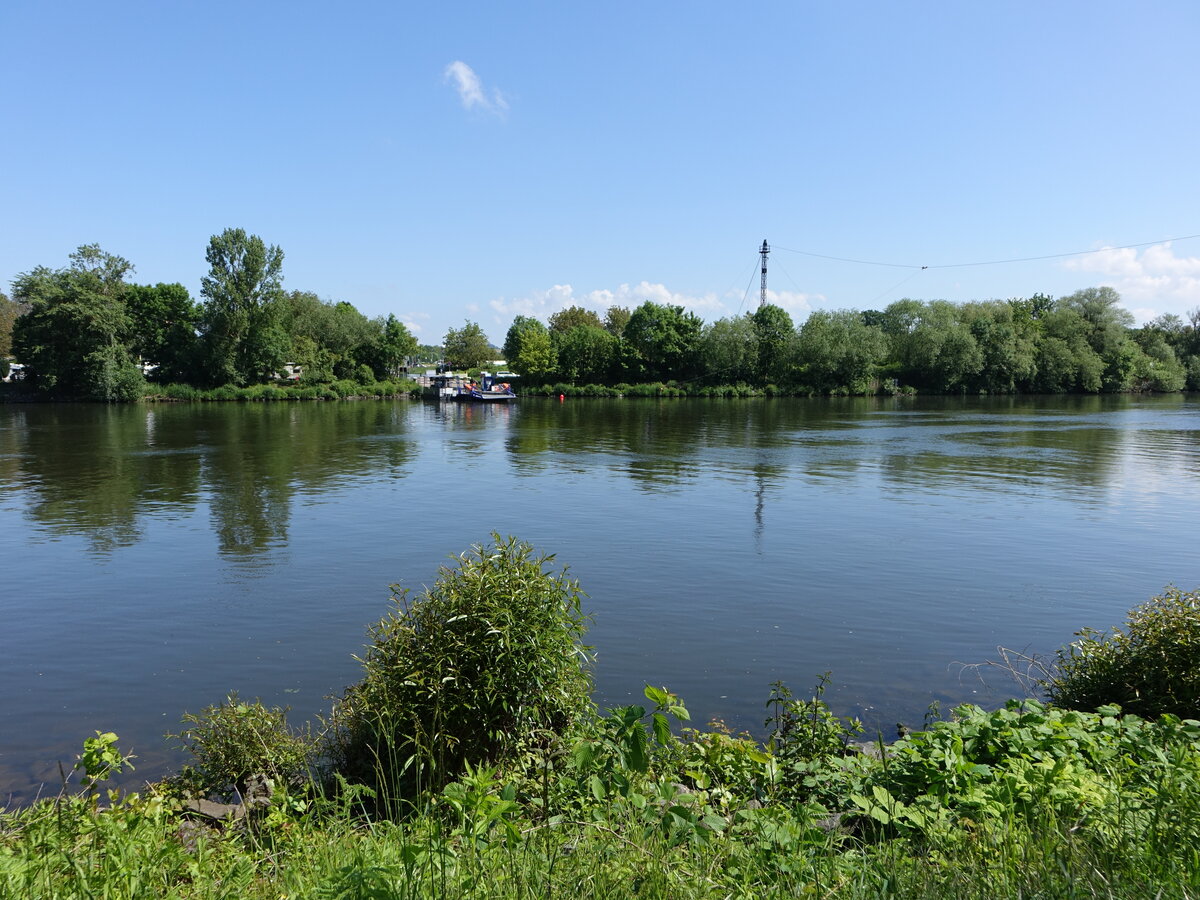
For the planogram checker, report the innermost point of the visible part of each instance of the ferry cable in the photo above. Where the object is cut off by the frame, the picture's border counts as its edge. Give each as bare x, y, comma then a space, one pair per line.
990, 262
746, 295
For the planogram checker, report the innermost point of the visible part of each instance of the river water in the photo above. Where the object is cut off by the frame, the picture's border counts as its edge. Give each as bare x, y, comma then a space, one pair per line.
157, 557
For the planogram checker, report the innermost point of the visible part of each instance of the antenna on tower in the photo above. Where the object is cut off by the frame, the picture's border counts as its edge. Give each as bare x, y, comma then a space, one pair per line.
762, 293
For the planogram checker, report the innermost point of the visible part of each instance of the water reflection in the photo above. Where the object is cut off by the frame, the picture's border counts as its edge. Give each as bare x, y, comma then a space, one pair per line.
103, 471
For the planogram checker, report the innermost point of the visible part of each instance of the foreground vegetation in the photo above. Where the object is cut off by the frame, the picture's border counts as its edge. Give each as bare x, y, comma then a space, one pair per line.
468, 762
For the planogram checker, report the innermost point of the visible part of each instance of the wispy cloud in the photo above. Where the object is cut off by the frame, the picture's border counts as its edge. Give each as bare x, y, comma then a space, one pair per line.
471, 91
1151, 282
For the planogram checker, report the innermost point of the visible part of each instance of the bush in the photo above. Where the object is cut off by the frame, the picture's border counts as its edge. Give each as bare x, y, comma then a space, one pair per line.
176, 391
1150, 667
234, 741
483, 666
224, 392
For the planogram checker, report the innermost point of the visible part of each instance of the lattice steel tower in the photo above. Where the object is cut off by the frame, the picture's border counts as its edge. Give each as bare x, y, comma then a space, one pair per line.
762, 292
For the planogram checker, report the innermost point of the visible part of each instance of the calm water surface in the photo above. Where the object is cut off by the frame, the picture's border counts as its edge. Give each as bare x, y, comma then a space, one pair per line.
156, 557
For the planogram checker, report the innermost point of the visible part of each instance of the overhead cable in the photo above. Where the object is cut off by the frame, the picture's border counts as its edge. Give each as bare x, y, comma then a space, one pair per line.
989, 262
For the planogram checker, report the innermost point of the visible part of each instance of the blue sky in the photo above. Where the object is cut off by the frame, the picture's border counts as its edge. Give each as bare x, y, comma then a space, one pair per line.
455, 161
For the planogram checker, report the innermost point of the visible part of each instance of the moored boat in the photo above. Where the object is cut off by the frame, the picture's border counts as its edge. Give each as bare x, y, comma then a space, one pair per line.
488, 390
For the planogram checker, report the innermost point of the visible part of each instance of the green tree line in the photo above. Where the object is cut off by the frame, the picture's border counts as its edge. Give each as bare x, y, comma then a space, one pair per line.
1080, 343
85, 331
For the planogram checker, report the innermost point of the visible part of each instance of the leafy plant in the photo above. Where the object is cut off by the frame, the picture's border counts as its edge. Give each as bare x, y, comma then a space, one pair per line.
101, 759
476, 670
1150, 667
806, 738
233, 741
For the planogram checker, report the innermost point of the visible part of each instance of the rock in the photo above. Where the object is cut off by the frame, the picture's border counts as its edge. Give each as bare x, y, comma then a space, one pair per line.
216, 812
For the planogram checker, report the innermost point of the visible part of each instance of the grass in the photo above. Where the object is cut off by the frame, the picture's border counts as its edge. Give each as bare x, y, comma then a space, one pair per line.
1114, 813
338, 390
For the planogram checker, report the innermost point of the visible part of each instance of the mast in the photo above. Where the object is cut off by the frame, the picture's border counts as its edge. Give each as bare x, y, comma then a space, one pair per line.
762, 293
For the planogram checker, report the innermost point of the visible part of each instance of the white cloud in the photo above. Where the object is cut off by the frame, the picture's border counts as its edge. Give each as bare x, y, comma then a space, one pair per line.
793, 301
412, 321
471, 90
543, 304
1152, 282
710, 307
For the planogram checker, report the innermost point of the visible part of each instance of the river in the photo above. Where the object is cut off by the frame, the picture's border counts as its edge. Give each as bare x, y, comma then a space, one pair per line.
156, 557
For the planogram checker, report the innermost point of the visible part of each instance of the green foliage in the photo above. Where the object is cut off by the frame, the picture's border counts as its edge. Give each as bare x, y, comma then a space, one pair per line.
839, 350
573, 317
396, 345
806, 739
233, 741
467, 347
9, 311
164, 320
776, 343
76, 337
586, 353
1150, 667
528, 349
101, 759
730, 349
479, 668
1028, 762
615, 320
663, 341
242, 320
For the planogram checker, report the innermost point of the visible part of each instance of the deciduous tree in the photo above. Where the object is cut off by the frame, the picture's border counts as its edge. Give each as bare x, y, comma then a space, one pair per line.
572, 317
528, 349
729, 350
467, 347
665, 341
242, 320
76, 337
587, 354
164, 319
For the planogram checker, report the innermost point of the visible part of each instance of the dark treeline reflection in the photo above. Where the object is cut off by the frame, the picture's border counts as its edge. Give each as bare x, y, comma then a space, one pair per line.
995, 443
102, 471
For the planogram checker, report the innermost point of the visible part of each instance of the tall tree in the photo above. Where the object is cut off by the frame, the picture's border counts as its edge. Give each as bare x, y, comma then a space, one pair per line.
528, 349
467, 347
776, 343
587, 354
396, 345
76, 337
839, 351
615, 320
729, 350
242, 319
664, 340
572, 317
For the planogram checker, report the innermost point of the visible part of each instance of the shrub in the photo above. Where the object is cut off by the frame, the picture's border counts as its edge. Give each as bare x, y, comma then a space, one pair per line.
1150, 667
224, 392
233, 741
177, 391
481, 667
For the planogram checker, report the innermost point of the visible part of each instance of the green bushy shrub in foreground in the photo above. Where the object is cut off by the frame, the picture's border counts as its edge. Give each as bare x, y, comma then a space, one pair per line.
485, 664
234, 741
1150, 667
